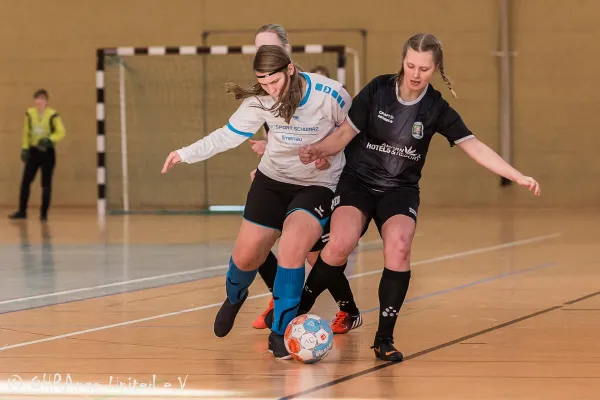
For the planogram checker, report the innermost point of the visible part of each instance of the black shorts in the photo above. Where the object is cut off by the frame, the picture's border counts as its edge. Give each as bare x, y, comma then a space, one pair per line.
377, 206
269, 202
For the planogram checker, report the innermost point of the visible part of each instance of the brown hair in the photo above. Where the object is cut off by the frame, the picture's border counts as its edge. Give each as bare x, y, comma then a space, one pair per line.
273, 59
276, 29
41, 93
320, 69
424, 42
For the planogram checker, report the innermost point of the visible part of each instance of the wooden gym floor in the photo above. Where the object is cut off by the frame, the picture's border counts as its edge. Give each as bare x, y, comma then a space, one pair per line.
503, 304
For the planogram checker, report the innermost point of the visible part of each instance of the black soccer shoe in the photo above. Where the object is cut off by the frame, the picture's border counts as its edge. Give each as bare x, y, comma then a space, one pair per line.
384, 350
18, 215
277, 347
226, 316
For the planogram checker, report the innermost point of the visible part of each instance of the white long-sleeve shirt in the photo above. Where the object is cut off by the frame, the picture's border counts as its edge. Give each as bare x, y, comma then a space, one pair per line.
323, 108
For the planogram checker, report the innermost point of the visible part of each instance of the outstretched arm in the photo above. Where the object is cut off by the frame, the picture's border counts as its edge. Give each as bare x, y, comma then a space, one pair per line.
217, 142
488, 158
331, 145
242, 125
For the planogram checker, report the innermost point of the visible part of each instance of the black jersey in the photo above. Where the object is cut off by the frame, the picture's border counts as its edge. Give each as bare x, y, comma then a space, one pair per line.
390, 149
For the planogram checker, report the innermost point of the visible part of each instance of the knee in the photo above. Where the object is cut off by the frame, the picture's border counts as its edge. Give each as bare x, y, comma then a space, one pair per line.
247, 259
27, 180
339, 248
397, 253
290, 256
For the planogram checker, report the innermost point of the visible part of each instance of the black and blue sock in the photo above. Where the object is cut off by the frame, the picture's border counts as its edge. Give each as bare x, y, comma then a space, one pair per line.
286, 295
237, 282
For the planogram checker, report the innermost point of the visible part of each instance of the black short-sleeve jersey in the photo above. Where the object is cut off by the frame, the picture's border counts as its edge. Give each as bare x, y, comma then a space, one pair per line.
393, 136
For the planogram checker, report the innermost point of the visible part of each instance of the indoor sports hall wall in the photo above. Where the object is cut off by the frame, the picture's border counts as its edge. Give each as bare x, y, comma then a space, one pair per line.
52, 45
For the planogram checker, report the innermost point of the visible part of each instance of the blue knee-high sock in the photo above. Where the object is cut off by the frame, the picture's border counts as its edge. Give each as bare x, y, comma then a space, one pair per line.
238, 282
286, 295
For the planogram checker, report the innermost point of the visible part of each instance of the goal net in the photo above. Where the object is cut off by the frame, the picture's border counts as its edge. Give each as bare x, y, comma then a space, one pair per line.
151, 101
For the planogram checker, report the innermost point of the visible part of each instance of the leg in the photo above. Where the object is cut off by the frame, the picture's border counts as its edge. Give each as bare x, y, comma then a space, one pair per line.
355, 206
346, 226
48, 162
348, 317
300, 232
397, 226
263, 220
251, 248
267, 272
307, 213
29, 171
311, 258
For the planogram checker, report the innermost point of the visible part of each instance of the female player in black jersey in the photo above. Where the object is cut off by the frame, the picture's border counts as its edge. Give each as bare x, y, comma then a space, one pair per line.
386, 136
349, 316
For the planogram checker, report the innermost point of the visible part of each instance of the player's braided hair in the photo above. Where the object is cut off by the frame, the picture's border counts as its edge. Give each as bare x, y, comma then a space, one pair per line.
273, 59
423, 42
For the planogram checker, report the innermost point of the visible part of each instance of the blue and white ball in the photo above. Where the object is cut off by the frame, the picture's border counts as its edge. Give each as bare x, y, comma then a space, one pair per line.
308, 338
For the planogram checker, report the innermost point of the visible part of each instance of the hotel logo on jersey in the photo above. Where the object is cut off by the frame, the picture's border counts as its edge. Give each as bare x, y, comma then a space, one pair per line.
405, 152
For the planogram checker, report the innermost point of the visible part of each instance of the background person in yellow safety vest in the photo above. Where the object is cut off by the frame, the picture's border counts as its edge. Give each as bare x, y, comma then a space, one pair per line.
43, 129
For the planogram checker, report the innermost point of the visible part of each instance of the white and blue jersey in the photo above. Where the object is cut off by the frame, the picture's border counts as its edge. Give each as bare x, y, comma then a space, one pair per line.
322, 109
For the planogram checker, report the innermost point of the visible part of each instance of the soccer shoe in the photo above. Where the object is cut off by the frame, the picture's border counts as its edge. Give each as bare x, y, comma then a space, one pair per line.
259, 322
18, 215
344, 322
277, 347
385, 350
226, 316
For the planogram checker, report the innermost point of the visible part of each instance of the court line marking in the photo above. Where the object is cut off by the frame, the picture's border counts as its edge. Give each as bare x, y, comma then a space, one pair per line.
362, 247
434, 348
470, 284
204, 307
114, 284
366, 246
469, 253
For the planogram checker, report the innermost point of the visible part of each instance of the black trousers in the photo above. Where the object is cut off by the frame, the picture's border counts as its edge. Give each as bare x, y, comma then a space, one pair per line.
44, 160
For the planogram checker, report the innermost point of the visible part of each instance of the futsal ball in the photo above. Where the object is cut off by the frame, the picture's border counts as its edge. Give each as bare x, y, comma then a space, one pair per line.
308, 338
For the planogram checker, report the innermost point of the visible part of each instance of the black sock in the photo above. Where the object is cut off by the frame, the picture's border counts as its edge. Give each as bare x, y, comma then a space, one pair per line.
320, 278
392, 291
268, 270
342, 293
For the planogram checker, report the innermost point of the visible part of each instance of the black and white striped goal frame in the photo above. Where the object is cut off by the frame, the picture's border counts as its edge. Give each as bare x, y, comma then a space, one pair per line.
101, 53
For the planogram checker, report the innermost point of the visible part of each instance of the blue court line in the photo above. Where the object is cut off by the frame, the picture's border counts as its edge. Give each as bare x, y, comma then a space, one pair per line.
467, 285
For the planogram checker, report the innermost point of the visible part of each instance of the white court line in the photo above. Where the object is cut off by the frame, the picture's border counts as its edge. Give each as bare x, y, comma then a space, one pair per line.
107, 285
365, 245
188, 310
469, 253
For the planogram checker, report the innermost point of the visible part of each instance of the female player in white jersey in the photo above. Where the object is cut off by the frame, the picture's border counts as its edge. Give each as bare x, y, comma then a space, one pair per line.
287, 198
386, 137
349, 316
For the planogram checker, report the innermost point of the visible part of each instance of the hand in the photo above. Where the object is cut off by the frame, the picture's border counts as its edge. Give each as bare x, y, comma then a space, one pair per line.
252, 175
531, 184
24, 155
172, 159
259, 146
308, 154
322, 163
44, 144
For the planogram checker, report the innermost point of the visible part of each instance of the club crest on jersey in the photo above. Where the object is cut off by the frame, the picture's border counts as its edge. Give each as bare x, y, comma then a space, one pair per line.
417, 130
